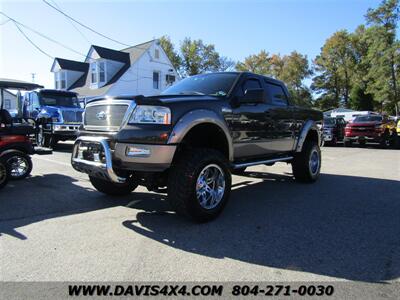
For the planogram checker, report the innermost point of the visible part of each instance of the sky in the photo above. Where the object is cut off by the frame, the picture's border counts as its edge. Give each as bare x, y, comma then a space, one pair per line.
236, 28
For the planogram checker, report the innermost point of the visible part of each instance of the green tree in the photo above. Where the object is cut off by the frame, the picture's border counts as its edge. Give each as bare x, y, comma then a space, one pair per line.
169, 49
334, 67
359, 100
198, 57
256, 63
384, 54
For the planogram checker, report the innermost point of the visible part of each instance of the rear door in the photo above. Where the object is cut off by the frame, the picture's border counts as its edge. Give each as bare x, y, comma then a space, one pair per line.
281, 136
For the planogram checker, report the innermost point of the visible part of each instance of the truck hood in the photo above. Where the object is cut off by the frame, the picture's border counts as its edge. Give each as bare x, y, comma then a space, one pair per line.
53, 109
174, 98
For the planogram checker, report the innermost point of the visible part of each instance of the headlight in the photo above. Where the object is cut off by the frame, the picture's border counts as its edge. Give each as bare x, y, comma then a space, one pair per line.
147, 114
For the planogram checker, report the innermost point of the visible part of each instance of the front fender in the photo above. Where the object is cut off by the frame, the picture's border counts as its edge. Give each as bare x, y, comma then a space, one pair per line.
196, 117
308, 126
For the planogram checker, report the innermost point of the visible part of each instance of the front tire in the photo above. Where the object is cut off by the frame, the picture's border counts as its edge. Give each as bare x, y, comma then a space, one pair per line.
42, 139
306, 165
199, 184
19, 164
113, 189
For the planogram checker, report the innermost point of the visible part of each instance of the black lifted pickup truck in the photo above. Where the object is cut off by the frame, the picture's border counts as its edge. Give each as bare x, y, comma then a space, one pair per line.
188, 140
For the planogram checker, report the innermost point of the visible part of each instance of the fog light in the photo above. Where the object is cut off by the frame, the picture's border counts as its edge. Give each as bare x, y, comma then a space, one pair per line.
137, 151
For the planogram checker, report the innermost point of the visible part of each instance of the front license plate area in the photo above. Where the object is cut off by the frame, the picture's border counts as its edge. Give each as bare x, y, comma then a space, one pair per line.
91, 151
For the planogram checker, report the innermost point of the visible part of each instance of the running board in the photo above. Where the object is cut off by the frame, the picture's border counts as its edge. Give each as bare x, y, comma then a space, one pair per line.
261, 162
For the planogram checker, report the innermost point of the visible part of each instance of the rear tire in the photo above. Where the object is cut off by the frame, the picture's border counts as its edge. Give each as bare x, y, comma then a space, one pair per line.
199, 184
306, 165
113, 189
19, 164
4, 173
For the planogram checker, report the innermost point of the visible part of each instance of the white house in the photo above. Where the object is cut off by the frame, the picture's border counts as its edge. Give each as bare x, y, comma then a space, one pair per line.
10, 101
143, 69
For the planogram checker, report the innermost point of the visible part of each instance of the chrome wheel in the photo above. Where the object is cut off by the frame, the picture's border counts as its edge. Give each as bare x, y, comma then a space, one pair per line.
210, 186
18, 165
314, 162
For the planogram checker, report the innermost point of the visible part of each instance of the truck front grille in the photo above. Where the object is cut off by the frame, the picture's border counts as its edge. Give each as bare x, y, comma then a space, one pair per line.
104, 117
72, 116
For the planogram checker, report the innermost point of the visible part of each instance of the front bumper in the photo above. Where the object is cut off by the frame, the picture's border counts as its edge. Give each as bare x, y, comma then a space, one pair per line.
105, 162
376, 138
67, 130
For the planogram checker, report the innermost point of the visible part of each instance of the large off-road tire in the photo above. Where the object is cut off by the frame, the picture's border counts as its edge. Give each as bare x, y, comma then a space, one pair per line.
114, 189
199, 184
306, 165
19, 164
4, 173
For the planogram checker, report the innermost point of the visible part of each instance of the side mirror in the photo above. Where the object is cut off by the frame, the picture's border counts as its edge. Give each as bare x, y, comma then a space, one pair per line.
253, 96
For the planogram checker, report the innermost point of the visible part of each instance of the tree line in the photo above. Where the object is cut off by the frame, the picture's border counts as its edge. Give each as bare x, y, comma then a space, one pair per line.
358, 70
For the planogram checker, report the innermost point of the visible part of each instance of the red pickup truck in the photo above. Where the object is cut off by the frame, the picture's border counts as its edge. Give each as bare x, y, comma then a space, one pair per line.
370, 128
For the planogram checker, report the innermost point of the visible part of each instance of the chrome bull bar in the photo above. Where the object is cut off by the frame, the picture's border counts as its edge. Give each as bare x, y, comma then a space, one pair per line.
95, 168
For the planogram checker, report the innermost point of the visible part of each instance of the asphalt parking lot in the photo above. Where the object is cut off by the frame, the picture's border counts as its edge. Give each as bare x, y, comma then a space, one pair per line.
55, 227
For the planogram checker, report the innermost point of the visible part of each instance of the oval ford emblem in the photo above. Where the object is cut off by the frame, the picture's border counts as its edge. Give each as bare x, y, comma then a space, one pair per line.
101, 115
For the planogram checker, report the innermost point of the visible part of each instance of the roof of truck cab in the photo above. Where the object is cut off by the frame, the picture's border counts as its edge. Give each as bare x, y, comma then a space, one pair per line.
273, 80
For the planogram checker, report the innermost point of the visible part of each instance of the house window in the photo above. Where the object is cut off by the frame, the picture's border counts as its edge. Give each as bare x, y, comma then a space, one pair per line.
157, 54
170, 79
156, 80
61, 80
7, 104
98, 72
93, 72
102, 72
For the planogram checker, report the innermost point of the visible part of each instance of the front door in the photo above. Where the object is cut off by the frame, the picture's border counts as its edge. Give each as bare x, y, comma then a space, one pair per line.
250, 125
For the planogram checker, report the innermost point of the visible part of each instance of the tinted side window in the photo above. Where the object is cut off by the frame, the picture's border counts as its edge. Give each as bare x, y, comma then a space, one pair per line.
251, 84
276, 94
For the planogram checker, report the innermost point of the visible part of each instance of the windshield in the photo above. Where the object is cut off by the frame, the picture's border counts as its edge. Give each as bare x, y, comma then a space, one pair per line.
329, 121
217, 84
59, 100
368, 119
